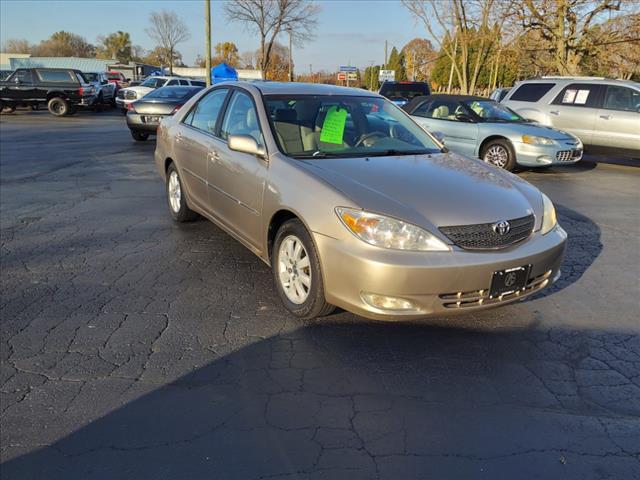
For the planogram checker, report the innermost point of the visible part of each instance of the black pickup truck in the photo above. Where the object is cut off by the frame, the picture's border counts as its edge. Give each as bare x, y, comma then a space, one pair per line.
62, 89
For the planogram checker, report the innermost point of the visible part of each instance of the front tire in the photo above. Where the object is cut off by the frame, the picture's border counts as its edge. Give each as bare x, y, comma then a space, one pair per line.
58, 107
499, 153
297, 273
139, 136
180, 212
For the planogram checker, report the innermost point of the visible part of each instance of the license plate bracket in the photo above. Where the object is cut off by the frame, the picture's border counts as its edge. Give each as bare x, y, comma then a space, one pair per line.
510, 280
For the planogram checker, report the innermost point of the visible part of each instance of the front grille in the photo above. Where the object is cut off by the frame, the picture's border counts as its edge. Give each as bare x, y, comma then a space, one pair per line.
481, 297
568, 155
482, 235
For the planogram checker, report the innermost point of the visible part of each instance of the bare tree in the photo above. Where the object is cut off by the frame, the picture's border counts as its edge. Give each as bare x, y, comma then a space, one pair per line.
465, 31
15, 45
168, 30
269, 18
565, 25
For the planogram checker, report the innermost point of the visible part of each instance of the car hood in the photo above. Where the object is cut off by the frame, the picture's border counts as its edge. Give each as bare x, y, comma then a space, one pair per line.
432, 191
528, 129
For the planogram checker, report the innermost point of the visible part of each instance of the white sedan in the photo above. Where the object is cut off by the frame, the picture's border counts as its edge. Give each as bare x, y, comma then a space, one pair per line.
131, 94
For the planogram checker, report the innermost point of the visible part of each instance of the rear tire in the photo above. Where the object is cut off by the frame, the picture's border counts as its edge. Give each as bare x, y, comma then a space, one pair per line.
59, 107
176, 199
500, 154
139, 136
7, 108
297, 273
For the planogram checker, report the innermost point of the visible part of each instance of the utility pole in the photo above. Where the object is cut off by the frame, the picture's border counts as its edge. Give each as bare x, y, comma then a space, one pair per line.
290, 58
207, 35
385, 55
371, 62
311, 74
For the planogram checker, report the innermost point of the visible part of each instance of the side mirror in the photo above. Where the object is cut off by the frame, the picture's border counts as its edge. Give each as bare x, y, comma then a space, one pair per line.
127, 79
246, 144
104, 82
463, 117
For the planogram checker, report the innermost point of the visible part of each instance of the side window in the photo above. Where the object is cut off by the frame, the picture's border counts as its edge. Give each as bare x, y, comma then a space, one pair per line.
621, 98
205, 114
184, 82
20, 76
531, 92
444, 110
198, 83
172, 82
241, 118
56, 76
578, 95
422, 109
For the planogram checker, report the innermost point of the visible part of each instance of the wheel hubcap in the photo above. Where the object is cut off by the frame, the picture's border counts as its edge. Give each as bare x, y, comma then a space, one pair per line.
497, 155
174, 192
294, 269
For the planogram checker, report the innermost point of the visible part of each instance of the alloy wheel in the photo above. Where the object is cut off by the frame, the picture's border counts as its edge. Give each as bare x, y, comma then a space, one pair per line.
497, 155
294, 269
174, 192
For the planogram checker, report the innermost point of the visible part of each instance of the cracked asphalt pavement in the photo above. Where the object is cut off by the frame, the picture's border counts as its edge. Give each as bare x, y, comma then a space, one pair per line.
134, 348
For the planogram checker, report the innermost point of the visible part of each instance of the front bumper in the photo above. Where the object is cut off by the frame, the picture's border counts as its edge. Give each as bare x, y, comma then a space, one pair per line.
542, 155
88, 100
122, 102
436, 283
138, 123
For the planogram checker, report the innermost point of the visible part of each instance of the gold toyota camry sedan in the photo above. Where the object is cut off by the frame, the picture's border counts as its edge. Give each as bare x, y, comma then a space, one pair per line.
353, 204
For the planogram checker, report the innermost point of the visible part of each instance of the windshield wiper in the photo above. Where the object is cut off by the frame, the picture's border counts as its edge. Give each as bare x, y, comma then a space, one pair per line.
320, 154
394, 152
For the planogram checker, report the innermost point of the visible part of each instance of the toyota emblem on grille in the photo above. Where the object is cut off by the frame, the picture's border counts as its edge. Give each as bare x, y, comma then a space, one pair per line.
502, 227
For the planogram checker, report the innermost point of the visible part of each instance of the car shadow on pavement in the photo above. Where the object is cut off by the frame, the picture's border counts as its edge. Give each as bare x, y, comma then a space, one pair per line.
367, 400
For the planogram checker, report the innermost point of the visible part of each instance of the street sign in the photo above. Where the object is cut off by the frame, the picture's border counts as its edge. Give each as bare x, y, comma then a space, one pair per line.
346, 68
352, 76
342, 76
387, 75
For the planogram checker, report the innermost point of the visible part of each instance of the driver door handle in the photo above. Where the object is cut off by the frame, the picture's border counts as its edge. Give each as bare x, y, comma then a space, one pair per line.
605, 117
554, 112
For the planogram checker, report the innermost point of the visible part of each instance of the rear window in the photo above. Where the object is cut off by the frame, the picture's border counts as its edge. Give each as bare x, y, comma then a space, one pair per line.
56, 76
531, 92
404, 90
173, 93
198, 83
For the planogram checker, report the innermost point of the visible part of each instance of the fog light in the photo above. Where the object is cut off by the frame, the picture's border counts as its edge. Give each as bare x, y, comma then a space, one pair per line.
385, 302
544, 160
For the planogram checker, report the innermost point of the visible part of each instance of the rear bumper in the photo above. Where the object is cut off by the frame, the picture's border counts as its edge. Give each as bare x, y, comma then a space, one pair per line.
136, 122
435, 283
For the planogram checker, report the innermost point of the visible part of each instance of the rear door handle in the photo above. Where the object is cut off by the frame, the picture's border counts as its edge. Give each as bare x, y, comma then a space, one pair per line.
554, 112
605, 117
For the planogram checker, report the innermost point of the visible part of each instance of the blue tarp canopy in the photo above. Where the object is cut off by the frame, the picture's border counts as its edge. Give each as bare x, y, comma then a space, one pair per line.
157, 73
223, 73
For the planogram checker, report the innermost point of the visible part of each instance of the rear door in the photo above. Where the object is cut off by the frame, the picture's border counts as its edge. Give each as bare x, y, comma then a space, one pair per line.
193, 140
575, 109
237, 179
618, 121
441, 116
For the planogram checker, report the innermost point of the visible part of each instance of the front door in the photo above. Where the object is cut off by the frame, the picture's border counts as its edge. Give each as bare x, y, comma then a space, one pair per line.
575, 109
21, 86
444, 116
237, 179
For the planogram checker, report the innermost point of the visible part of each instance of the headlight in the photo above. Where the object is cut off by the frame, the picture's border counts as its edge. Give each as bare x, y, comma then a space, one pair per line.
533, 140
549, 219
388, 232
129, 95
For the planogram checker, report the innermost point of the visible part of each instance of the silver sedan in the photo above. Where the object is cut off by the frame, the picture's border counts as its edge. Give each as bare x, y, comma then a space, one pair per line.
483, 128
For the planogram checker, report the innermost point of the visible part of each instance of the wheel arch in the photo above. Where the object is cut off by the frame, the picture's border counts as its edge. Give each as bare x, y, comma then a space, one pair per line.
490, 138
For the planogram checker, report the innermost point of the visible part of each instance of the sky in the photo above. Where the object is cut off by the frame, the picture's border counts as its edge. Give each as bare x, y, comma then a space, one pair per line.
348, 31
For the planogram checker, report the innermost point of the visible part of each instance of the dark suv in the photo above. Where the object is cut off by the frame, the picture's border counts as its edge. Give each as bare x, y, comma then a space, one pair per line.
62, 89
402, 93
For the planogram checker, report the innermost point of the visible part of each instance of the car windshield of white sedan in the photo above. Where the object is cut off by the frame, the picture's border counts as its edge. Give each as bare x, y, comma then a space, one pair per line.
491, 111
321, 126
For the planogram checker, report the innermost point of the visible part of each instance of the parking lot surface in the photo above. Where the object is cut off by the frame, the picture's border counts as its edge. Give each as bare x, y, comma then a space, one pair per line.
132, 347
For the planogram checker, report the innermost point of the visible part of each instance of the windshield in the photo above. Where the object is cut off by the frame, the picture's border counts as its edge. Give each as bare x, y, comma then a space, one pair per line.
153, 82
490, 111
173, 93
92, 77
318, 126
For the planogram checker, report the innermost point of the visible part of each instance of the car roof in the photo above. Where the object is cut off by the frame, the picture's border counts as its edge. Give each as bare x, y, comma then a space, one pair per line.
558, 79
299, 88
